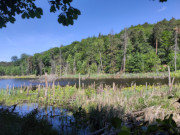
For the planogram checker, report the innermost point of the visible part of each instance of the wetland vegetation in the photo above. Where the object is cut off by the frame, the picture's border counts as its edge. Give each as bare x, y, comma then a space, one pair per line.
106, 109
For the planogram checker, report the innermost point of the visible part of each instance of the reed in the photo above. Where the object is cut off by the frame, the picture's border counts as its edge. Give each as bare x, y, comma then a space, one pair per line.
129, 99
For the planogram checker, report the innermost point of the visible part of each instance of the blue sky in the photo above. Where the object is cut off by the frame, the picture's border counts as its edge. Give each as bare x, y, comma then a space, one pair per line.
98, 16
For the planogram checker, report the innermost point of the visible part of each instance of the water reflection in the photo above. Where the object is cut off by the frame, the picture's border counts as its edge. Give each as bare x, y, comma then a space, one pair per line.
59, 118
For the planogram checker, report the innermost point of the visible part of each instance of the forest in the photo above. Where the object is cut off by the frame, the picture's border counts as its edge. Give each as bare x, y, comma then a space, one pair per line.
137, 49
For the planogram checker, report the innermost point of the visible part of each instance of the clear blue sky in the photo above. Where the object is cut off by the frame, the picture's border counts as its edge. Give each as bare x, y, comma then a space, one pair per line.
98, 16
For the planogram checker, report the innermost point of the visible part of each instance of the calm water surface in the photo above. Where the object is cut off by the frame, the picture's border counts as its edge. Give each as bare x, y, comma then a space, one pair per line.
63, 82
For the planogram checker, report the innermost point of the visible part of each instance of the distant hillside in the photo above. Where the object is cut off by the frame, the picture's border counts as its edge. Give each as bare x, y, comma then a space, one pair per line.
141, 48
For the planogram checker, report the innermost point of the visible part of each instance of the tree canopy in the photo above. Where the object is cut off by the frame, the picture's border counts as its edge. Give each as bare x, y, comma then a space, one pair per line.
28, 9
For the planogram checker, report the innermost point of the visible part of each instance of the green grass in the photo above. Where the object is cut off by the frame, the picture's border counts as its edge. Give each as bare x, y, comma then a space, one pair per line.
19, 77
101, 76
61, 97
126, 75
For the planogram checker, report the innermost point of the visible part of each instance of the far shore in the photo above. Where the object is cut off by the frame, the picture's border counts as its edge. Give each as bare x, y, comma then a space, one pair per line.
20, 77
102, 76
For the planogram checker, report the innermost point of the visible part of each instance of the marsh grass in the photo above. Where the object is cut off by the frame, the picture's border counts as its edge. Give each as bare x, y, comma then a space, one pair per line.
125, 75
19, 77
128, 99
101, 76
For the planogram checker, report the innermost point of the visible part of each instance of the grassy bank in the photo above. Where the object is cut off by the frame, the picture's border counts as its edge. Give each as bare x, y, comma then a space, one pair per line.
104, 76
125, 75
19, 77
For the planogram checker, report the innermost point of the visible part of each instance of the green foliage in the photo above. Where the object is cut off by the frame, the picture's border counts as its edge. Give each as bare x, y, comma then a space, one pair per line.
166, 126
105, 53
28, 9
166, 47
90, 92
135, 63
94, 68
151, 61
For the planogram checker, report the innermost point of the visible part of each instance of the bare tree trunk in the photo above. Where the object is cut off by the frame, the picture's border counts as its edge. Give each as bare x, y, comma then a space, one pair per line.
74, 68
156, 46
46, 88
27, 91
101, 68
123, 67
176, 47
53, 87
67, 67
60, 63
170, 89
79, 81
53, 67
169, 73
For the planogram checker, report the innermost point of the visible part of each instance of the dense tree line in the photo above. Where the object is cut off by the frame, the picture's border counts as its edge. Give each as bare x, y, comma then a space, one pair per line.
141, 48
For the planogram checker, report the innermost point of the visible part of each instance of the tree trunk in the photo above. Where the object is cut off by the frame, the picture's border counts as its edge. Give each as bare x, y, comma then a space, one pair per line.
40, 66
74, 68
46, 88
60, 62
123, 67
175, 48
79, 81
169, 74
156, 46
101, 67
53, 66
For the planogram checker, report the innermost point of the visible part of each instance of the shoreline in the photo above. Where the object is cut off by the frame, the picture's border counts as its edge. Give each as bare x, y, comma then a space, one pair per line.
20, 77
152, 75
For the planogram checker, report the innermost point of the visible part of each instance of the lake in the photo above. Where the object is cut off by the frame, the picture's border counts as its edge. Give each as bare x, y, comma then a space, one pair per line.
63, 82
